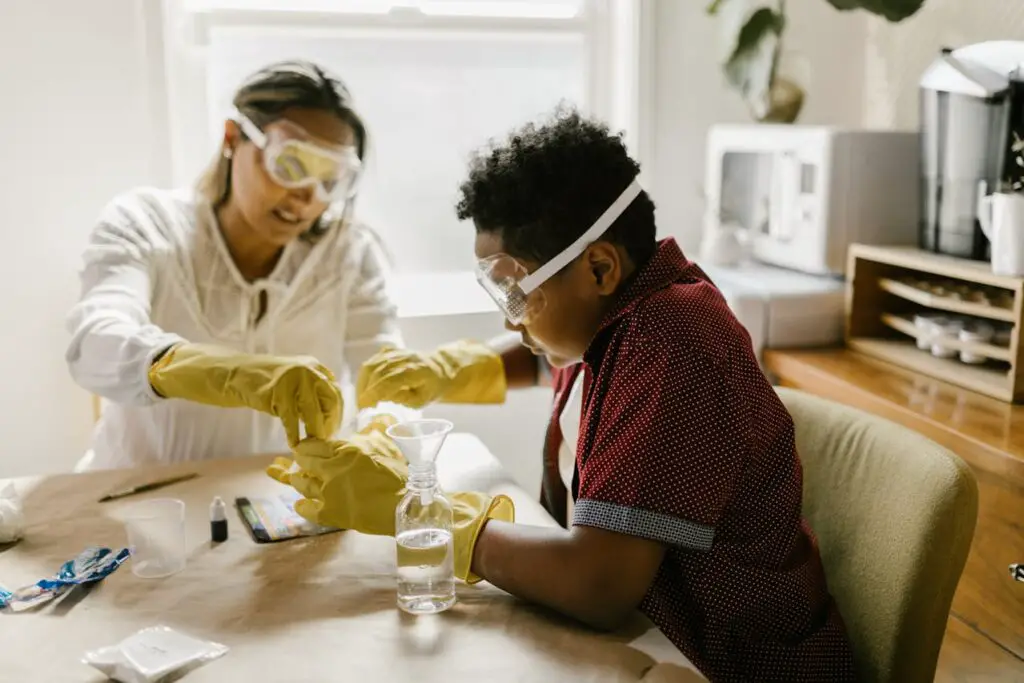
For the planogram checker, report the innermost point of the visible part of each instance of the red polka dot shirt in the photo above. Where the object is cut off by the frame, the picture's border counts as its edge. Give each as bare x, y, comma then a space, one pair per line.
684, 441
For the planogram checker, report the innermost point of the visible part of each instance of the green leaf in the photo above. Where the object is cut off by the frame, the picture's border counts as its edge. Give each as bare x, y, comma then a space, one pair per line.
733, 17
713, 8
893, 10
750, 69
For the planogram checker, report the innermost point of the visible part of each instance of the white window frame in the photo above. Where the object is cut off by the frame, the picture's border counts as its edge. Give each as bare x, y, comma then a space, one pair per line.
620, 76
621, 48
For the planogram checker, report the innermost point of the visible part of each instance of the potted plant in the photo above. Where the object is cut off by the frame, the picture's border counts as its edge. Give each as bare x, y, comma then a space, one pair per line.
753, 45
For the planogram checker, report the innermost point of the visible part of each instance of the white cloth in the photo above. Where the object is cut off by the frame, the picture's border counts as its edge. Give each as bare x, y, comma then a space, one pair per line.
12, 517
157, 270
569, 424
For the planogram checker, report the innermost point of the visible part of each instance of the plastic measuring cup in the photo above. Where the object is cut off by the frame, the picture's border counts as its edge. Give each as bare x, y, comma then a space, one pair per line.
156, 537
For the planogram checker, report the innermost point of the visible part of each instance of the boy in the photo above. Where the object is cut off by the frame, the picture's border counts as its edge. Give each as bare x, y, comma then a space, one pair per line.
685, 478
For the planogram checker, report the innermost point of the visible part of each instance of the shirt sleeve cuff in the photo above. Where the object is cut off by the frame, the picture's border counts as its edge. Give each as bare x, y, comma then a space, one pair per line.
643, 523
165, 342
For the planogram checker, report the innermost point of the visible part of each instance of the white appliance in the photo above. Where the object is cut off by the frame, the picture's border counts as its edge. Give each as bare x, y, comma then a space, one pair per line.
803, 194
781, 308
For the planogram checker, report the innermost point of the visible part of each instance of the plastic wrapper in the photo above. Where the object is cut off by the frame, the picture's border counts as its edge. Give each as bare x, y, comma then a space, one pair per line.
12, 520
153, 655
93, 564
399, 412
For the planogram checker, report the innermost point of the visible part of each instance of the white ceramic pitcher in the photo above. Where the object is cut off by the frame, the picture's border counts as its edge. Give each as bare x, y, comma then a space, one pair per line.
1002, 220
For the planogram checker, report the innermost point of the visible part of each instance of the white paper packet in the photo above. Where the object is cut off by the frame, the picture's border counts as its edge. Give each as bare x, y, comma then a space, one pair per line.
153, 655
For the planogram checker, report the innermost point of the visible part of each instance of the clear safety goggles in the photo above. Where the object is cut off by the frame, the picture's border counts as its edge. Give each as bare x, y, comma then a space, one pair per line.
294, 161
517, 292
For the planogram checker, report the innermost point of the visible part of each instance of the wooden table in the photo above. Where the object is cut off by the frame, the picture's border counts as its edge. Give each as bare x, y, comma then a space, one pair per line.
318, 610
985, 636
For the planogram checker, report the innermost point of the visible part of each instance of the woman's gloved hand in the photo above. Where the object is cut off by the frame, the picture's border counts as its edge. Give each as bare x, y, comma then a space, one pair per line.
357, 484
293, 388
461, 372
283, 468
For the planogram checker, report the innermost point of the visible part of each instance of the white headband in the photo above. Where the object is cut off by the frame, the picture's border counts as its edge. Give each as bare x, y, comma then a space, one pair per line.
600, 226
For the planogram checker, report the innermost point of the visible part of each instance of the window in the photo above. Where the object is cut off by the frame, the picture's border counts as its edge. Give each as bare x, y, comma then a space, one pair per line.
433, 79
475, 8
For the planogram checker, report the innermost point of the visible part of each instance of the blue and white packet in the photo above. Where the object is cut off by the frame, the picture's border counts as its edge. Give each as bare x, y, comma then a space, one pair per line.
93, 564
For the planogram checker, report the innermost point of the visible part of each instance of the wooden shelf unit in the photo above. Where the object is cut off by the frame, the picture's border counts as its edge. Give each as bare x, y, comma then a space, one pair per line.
880, 309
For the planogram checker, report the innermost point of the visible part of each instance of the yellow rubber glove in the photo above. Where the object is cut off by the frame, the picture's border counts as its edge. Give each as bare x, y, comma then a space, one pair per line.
295, 388
283, 467
357, 485
460, 372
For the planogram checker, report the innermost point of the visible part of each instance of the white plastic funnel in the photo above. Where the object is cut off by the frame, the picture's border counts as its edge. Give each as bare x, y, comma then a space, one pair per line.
420, 440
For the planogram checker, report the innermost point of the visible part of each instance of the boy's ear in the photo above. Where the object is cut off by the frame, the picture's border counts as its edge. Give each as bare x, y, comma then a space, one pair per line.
605, 267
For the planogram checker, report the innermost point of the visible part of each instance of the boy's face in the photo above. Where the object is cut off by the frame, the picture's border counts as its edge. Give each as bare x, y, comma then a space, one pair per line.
574, 300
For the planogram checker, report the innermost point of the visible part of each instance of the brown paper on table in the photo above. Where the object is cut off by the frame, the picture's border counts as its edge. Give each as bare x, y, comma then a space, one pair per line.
316, 610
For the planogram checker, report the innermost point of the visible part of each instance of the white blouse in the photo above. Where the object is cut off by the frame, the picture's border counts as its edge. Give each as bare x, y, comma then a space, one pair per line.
157, 271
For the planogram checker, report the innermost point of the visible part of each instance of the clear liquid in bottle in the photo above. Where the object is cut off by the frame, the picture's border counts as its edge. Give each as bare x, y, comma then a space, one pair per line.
426, 578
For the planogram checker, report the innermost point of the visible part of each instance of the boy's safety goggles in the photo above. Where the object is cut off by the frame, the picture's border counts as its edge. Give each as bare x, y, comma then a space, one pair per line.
516, 292
294, 160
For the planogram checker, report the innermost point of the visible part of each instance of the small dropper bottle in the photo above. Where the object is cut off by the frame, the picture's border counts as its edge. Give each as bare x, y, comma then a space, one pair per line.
218, 520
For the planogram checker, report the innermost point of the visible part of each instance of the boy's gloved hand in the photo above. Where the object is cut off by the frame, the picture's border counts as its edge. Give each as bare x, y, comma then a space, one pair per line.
293, 388
460, 372
357, 485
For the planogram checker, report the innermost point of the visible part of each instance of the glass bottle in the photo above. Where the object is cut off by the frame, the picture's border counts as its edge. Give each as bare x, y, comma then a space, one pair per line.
425, 550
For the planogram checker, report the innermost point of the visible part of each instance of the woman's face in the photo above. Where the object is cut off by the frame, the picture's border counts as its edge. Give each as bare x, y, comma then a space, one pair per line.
277, 215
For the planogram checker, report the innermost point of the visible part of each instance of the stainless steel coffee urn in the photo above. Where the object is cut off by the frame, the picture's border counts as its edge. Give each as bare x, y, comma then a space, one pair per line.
971, 108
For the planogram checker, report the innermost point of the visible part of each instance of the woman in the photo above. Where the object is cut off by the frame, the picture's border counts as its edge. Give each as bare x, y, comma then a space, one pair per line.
247, 291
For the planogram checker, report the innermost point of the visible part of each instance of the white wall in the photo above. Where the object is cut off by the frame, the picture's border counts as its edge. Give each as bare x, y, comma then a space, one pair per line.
897, 54
74, 130
690, 95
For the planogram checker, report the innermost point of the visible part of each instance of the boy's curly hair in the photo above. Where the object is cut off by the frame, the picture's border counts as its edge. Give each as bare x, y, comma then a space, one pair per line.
541, 189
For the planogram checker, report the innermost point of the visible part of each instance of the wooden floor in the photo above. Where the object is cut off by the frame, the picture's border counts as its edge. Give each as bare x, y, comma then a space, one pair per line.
968, 656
